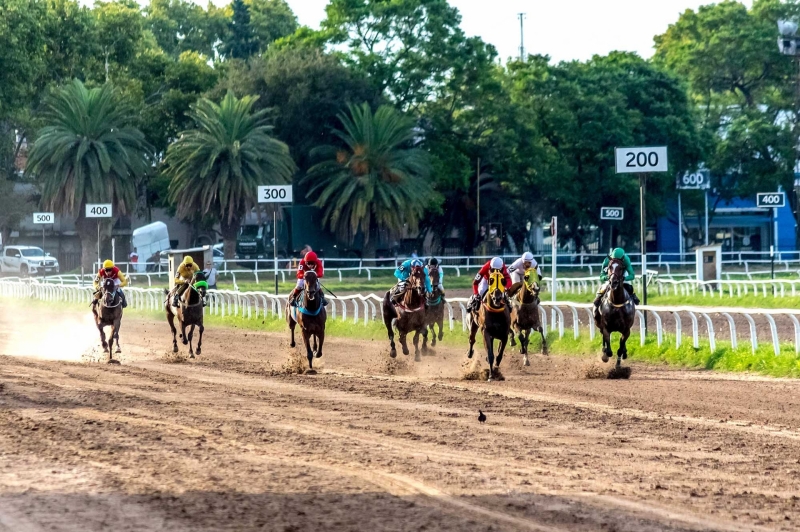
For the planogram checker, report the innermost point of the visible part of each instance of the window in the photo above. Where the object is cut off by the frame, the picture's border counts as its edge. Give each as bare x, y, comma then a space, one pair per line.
10, 252
32, 252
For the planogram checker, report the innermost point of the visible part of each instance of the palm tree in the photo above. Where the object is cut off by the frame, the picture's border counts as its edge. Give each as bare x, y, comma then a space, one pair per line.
217, 167
376, 181
88, 152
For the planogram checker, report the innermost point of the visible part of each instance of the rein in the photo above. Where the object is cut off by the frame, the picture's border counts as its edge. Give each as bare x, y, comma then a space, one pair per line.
611, 291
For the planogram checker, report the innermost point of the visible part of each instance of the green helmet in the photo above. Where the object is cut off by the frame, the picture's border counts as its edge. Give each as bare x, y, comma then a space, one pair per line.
618, 253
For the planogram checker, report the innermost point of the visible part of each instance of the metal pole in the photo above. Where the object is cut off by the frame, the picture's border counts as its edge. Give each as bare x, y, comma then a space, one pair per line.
43, 239
706, 237
680, 229
554, 249
521, 37
478, 186
113, 250
643, 240
98, 241
275, 246
772, 245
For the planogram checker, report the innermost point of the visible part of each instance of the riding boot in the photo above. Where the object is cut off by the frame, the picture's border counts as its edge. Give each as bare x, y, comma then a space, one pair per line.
396, 295
293, 296
634, 297
122, 297
474, 303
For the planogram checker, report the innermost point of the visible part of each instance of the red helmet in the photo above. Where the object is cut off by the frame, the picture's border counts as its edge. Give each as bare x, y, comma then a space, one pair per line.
310, 257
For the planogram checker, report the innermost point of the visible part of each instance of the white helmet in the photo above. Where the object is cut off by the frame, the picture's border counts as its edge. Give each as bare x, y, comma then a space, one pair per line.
496, 263
527, 256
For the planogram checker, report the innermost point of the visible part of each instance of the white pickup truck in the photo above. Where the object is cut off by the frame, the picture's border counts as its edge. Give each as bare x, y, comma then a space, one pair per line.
27, 260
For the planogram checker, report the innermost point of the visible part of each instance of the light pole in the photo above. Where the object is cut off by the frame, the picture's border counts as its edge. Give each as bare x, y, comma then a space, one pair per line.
789, 44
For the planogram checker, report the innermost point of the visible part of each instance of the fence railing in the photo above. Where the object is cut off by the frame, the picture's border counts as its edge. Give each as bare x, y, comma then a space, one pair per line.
363, 309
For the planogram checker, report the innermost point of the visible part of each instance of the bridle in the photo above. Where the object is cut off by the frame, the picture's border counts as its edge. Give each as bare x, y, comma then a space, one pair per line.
528, 287
435, 297
616, 276
110, 294
493, 301
417, 283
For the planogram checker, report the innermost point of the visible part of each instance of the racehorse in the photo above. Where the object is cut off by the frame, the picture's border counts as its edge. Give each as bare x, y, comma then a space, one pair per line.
409, 315
189, 312
525, 313
616, 312
310, 314
434, 314
494, 320
108, 315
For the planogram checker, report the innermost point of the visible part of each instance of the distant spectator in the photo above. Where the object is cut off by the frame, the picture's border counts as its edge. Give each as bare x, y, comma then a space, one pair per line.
305, 250
133, 258
211, 275
414, 254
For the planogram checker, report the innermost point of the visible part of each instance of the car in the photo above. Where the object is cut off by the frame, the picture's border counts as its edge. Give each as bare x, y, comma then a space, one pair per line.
28, 260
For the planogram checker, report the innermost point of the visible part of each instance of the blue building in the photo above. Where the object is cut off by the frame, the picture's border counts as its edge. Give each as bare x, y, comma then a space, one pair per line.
736, 225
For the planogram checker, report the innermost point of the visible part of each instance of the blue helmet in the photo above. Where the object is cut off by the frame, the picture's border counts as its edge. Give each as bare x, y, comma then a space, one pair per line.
416, 263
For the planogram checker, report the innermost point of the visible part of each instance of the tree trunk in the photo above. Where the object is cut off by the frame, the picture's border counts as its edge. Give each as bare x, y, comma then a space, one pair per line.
370, 244
229, 233
87, 230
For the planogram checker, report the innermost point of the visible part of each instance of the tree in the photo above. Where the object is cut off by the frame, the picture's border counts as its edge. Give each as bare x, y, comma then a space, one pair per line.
577, 113
745, 89
376, 179
119, 31
181, 26
21, 52
408, 48
240, 41
88, 152
271, 20
217, 166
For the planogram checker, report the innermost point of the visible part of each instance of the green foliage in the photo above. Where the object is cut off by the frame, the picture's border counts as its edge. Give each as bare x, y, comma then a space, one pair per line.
375, 180
240, 41
88, 151
22, 52
271, 20
182, 26
217, 166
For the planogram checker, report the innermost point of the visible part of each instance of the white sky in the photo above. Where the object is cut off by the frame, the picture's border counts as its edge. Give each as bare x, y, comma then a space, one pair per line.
564, 29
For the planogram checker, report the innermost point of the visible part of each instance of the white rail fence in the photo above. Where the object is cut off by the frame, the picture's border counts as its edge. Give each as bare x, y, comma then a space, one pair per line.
366, 308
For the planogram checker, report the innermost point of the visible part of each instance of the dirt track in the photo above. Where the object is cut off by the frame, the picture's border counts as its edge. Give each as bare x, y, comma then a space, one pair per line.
230, 442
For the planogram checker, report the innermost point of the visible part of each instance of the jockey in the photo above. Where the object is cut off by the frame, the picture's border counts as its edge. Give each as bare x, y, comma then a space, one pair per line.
309, 263
403, 272
433, 264
481, 282
518, 267
109, 271
630, 275
183, 277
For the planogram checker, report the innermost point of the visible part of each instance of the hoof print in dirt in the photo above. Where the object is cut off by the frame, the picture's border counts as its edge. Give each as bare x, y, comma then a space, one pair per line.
310, 372
114, 362
595, 370
623, 372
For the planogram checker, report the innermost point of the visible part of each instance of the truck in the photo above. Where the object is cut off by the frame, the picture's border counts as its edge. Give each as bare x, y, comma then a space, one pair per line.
28, 260
148, 242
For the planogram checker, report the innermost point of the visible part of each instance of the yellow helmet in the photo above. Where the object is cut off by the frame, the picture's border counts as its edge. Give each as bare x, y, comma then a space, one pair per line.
188, 260
108, 265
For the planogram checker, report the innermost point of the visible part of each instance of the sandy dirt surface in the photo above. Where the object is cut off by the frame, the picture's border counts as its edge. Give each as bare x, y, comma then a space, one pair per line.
230, 441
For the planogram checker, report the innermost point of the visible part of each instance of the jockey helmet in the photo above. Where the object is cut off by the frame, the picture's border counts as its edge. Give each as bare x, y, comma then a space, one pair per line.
618, 253
188, 260
310, 257
527, 256
416, 263
496, 263
433, 261
107, 265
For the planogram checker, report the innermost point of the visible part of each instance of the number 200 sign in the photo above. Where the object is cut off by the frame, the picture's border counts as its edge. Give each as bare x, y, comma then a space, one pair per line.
275, 194
641, 160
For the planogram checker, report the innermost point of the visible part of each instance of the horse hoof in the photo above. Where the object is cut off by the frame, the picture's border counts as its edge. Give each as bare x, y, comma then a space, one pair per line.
604, 358
198, 351
293, 344
393, 353
624, 356
175, 349
318, 354
469, 355
526, 362
417, 358
186, 342
112, 361
310, 371
118, 351
191, 355
441, 336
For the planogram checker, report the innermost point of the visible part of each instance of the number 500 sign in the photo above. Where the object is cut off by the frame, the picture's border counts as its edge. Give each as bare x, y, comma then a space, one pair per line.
641, 160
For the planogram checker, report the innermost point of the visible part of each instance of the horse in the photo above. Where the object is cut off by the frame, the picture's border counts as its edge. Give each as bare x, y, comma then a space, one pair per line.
616, 312
407, 316
109, 315
310, 314
494, 320
525, 313
189, 313
434, 314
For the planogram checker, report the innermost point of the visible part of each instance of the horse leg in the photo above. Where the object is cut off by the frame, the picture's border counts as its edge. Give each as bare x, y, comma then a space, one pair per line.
117, 326
472, 332
424, 332
441, 326
432, 328
544, 341
103, 338
292, 325
111, 343
183, 332
200, 330
503, 342
622, 352
309, 353
171, 321
513, 339
321, 337
606, 345
387, 321
488, 341
314, 343
524, 340
191, 334
417, 358
403, 344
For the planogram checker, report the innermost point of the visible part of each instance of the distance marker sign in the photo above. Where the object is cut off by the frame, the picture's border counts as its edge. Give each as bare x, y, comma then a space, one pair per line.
641, 160
770, 200
44, 218
612, 213
98, 210
275, 194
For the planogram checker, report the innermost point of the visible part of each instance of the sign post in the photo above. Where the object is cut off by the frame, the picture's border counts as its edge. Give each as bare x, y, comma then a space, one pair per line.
554, 251
99, 210
43, 219
696, 180
641, 161
772, 201
275, 194
612, 214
